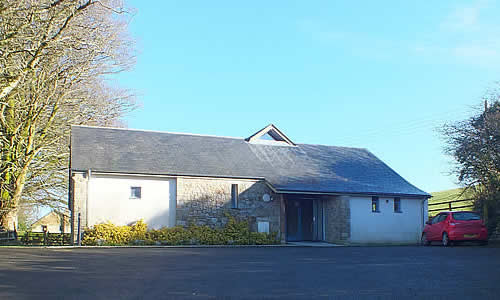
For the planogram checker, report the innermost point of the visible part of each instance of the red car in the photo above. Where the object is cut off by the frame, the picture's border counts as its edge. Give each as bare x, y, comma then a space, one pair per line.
456, 226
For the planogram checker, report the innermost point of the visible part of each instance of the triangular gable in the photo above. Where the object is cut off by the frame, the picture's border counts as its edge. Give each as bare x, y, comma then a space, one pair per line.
50, 216
270, 134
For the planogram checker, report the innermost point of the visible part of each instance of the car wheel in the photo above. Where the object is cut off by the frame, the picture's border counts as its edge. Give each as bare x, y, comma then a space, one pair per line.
445, 240
424, 241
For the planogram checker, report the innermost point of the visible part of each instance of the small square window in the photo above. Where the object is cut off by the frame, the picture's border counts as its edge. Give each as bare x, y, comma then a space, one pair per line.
135, 192
234, 196
397, 204
375, 204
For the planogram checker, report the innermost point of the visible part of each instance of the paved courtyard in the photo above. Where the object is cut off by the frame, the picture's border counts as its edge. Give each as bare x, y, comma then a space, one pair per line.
466, 272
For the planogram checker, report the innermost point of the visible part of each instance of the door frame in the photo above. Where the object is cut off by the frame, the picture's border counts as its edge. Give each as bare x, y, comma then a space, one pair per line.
317, 218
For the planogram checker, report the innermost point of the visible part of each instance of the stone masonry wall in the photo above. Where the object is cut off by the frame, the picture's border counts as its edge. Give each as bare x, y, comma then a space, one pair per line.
78, 202
204, 201
337, 219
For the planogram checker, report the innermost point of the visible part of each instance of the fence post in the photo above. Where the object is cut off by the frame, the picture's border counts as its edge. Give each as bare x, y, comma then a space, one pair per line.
449, 205
61, 229
79, 242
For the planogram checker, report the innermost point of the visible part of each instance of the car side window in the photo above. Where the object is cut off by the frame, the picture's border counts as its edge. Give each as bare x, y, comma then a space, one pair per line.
442, 218
435, 219
439, 218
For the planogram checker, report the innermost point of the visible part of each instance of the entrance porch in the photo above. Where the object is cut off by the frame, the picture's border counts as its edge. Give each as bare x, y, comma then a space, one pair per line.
304, 217
315, 218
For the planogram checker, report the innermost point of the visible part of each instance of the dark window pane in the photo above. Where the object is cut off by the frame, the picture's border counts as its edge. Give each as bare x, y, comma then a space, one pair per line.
397, 204
234, 196
375, 207
135, 192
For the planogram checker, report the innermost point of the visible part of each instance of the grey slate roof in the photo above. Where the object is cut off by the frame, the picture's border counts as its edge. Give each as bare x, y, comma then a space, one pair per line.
303, 168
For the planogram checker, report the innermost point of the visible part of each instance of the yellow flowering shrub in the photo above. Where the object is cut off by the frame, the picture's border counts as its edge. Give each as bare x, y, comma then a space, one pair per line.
235, 232
110, 234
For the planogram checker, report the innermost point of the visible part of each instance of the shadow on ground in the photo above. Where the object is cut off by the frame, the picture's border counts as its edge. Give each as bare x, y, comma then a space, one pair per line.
286, 272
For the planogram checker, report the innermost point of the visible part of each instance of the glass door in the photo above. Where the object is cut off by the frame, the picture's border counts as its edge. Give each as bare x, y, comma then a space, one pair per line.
318, 220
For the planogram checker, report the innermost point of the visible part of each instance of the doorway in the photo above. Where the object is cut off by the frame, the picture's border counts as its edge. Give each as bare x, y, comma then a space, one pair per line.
304, 218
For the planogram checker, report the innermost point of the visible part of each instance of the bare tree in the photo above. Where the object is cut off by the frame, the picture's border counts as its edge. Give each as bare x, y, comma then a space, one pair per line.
475, 145
57, 58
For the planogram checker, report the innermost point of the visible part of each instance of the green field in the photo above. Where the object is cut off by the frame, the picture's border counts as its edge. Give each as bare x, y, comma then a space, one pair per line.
450, 195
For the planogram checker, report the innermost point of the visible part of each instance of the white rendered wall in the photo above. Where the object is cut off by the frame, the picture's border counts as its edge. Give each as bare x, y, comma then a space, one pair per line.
109, 200
386, 226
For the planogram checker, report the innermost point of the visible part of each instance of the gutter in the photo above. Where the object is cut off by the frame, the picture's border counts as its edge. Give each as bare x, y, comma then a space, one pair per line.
354, 194
172, 175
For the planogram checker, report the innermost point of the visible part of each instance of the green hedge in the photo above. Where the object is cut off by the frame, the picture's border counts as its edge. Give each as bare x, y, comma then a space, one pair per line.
233, 233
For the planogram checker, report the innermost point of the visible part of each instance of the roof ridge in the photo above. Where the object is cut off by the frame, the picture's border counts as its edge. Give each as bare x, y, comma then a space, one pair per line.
198, 134
323, 145
158, 131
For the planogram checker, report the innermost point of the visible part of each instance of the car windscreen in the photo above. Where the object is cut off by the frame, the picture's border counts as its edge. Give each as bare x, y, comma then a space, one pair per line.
466, 216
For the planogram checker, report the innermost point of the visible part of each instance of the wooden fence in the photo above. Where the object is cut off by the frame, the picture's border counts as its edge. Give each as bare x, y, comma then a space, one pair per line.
6, 236
45, 239
449, 205
35, 238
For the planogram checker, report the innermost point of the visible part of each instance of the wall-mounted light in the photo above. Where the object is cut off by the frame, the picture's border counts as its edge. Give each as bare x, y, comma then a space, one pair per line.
266, 198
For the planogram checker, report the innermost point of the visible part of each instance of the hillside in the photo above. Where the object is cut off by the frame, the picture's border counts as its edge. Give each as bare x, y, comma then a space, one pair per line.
449, 195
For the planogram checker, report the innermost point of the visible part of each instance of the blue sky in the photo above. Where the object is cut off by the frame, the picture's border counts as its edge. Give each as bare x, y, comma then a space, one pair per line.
381, 77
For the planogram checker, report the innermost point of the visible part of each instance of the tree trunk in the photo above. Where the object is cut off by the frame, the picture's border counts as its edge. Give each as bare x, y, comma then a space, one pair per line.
9, 220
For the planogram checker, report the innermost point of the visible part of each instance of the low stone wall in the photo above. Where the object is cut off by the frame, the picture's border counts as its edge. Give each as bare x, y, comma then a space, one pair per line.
337, 219
206, 201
